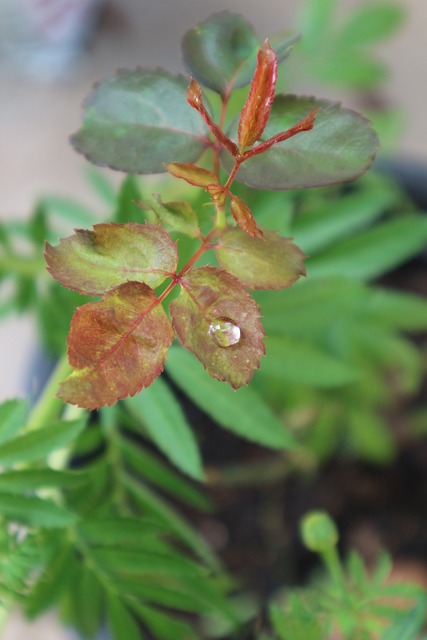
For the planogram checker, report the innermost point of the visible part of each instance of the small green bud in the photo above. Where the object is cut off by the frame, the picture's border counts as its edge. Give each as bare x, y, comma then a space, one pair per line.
318, 531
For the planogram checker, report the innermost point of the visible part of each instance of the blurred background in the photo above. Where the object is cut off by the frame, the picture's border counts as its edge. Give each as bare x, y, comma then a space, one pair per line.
51, 52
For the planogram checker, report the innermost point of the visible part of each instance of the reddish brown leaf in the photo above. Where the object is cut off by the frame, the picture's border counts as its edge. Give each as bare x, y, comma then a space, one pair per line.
256, 110
116, 346
306, 124
217, 319
195, 100
270, 262
93, 262
243, 216
191, 173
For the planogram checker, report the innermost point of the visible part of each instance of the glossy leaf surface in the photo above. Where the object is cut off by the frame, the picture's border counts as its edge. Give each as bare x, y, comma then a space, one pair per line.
256, 110
270, 262
216, 319
138, 120
116, 346
340, 147
216, 51
93, 262
221, 51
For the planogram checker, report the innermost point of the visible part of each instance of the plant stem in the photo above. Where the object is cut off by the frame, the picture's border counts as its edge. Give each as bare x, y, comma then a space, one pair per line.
332, 562
48, 407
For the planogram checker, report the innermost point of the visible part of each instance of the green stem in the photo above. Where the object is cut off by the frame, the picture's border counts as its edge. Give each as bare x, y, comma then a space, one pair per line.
48, 407
332, 562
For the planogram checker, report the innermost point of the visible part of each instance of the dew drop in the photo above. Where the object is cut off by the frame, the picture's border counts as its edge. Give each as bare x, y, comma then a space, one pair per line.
224, 332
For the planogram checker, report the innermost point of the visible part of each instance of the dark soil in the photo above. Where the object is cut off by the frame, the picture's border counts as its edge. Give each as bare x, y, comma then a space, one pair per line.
255, 526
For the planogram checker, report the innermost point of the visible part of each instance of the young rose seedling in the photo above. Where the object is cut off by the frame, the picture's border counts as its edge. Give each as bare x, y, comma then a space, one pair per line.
150, 121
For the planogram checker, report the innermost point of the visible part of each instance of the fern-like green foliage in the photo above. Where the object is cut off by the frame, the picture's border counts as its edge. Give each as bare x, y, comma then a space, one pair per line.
89, 520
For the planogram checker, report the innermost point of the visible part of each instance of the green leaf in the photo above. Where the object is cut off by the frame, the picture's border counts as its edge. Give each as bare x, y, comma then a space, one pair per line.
93, 262
102, 185
139, 120
371, 22
244, 412
175, 522
163, 625
176, 216
340, 147
370, 436
32, 479
409, 623
52, 583
38, 228
126, 209
142, 564
121, 622
221, 51
298, 621
395, 310
121, 340
292, 360
315, 20
72, 212
13, 414
161, 475
316, 229
373, 252
392, 352
55, 310
167, 426
216, 319
35, 512
87, 596
352, 68
270, 262
124, 532
38, 444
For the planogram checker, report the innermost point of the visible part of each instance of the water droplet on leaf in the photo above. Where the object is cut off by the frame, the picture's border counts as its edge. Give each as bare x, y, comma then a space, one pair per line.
224, 332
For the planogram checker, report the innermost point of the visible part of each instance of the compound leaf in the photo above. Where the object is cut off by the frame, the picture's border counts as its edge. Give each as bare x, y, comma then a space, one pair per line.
116, 346
138, 120
340, 147
13, 414
121, 622
270, 262
37, 444
216, 319
221, 50
371, 22
167, 426
244, 413
35, 512
93, 262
